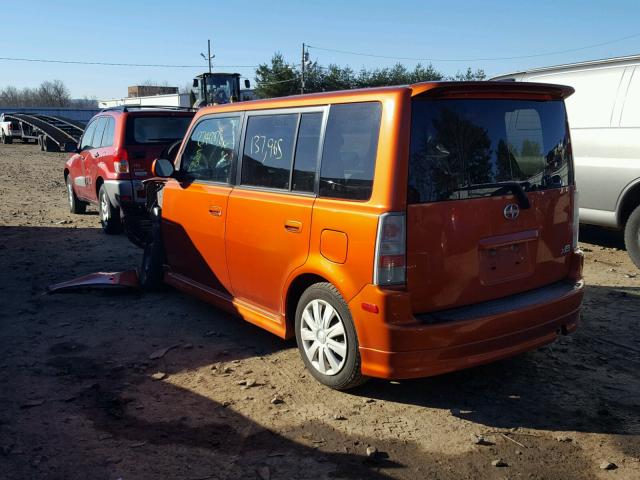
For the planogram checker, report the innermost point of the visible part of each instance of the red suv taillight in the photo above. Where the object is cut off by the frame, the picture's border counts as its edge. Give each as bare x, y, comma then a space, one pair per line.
121, 162
390, 259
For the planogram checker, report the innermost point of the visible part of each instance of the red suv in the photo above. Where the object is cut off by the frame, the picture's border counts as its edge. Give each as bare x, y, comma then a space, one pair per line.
115, 154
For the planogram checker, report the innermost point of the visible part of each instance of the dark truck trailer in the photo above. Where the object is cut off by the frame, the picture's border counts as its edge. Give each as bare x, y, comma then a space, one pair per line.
51, 133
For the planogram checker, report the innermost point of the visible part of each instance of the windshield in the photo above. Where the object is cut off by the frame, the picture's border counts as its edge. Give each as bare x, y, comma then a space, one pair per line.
460, 148
156, 129
220, 89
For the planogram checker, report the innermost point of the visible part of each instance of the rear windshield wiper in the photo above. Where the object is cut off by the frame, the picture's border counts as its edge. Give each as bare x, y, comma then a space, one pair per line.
513, 187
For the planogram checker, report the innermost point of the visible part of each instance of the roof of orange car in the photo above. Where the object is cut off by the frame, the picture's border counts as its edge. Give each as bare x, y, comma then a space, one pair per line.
437, 88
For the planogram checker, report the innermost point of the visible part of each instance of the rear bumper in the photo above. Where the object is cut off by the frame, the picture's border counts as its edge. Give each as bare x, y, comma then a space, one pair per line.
394, 344
123, 192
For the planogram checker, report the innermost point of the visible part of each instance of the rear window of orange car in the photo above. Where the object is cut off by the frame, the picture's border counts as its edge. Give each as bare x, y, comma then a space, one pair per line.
461, 148
350, 148
156, 129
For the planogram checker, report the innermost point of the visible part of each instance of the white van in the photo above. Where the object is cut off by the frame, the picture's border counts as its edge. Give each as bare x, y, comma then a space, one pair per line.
604, 116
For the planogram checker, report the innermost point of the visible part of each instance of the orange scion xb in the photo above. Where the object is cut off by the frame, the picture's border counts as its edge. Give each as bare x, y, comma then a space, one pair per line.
397, 232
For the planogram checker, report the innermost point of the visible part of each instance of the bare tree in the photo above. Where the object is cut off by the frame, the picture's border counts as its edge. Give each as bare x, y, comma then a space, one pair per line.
60, 93
50, 93
85, 102
10, 96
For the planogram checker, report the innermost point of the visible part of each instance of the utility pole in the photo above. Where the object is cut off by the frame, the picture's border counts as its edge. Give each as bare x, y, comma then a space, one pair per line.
206, 78
302, 70
208, 57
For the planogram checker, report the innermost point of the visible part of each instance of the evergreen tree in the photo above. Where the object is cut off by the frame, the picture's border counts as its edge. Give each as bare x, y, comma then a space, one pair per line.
279, 78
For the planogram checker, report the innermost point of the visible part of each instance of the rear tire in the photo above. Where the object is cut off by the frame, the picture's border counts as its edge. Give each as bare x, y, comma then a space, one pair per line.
109, 215
632, 236
75, 206
327, 338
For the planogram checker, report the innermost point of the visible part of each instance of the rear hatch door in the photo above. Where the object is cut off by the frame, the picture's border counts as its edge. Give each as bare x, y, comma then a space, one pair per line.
150, 134
490, 196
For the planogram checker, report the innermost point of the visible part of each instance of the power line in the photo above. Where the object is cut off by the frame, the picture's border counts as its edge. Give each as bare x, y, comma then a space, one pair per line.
475, 59
280, 81
78, 62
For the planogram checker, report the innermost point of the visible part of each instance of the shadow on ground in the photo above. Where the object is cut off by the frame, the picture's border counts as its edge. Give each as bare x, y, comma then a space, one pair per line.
604, 237
110, 416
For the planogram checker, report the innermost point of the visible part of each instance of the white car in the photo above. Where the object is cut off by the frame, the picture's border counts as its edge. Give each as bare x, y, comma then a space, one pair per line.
9, 129
604, 117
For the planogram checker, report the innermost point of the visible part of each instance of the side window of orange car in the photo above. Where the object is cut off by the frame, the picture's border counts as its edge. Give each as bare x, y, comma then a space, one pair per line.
268, 150
350, 149
211, 150
307, 148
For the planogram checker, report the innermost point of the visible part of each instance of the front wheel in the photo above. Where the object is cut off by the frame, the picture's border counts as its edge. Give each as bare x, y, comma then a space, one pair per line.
327, 338
109, 215
632, 236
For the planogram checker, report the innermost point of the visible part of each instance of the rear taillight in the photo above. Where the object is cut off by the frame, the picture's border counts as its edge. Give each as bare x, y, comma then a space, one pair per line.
121, 166
390, 263
575, 220
121, 162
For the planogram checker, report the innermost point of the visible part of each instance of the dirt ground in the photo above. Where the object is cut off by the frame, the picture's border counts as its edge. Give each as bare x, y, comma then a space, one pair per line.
80, 397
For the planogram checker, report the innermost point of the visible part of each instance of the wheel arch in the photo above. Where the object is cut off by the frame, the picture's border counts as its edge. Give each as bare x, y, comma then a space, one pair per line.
99, 183
630, 199
296, 288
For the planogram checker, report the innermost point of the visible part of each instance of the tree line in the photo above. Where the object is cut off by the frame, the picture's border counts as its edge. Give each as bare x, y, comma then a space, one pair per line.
50, 93
276, 78
280, 78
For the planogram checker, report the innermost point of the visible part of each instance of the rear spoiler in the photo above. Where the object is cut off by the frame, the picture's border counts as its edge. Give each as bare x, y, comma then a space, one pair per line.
485, 89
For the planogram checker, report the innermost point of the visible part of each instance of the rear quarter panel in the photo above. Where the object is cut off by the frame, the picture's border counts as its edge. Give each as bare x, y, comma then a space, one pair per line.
358, 220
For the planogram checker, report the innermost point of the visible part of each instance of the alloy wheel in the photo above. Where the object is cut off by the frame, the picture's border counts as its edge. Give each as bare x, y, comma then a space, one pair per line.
70, 193
104, 208
324, 339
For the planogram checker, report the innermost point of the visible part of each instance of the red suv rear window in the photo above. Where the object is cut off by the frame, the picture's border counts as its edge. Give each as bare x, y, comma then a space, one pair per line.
156, 129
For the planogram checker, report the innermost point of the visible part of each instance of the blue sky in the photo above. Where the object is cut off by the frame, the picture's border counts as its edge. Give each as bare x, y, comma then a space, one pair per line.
248, 33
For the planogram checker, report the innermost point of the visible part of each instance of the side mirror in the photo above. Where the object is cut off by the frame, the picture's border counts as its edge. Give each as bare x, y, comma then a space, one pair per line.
71, 148
162, 167
195, 83
247, 83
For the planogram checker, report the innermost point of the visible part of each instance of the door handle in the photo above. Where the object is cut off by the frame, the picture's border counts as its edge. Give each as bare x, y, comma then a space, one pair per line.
97, 154
215, 211
293, 226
